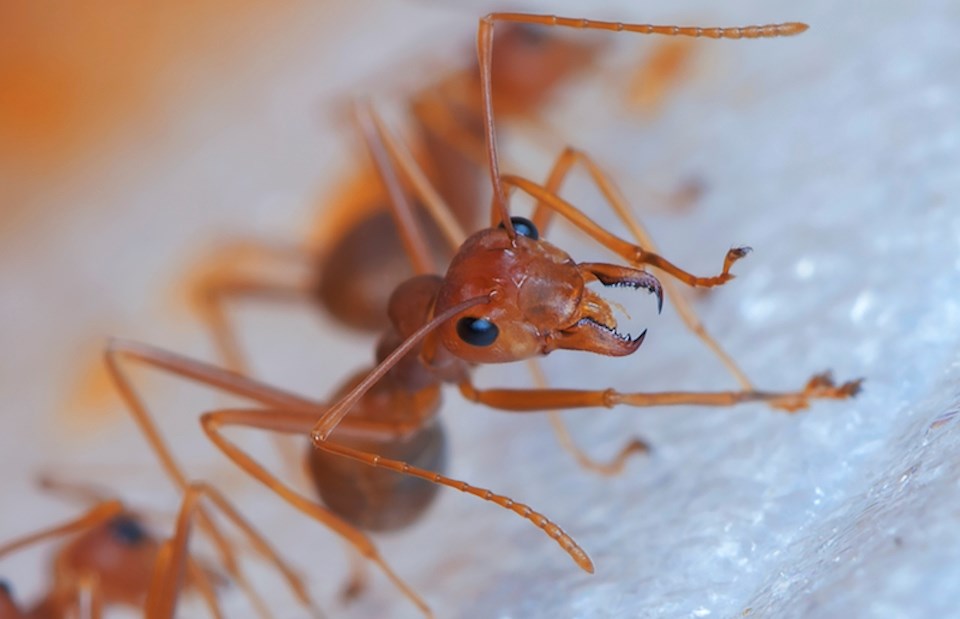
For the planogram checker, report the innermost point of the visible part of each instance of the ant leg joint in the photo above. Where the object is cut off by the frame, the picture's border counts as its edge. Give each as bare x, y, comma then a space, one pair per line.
469, 392
611, 397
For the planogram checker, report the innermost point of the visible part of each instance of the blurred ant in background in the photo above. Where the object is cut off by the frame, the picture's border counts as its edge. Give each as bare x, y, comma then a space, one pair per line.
111, 558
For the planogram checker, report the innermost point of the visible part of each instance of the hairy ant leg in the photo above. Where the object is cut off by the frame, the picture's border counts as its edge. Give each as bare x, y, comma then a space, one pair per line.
235, 384
114, 353
376, 132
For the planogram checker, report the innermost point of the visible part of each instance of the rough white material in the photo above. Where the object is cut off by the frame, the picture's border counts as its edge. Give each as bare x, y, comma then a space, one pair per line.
836, 155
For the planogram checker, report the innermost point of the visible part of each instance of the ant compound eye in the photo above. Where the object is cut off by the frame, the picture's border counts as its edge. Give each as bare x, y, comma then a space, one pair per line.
477, 331
127, 530
524, 227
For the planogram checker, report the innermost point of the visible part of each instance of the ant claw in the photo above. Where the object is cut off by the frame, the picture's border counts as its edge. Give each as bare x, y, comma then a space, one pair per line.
851, 387
636, 446
732, 256
824, 379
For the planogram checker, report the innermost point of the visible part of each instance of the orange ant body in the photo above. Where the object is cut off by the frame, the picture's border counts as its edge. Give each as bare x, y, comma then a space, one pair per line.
112, 559
508, 295
346, 279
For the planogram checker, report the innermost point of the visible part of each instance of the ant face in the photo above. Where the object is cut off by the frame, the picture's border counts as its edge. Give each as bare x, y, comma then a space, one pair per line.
539, 303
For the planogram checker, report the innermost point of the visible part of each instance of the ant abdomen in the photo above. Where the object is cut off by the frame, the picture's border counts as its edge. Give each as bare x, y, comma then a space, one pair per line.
377, 499
360, 271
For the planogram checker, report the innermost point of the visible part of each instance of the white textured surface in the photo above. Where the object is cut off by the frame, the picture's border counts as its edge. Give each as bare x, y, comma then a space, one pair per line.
836, 155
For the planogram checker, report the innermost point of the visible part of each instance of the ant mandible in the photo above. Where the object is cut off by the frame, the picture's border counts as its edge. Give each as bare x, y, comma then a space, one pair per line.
507, 295
112, 559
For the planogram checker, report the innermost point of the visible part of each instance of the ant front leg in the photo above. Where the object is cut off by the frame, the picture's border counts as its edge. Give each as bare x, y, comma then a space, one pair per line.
542, 217
634, 254
614, 198
819, 387
614, 466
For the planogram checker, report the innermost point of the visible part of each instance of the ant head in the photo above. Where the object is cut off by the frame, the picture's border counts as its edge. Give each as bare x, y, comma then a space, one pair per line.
121, 552
539, 299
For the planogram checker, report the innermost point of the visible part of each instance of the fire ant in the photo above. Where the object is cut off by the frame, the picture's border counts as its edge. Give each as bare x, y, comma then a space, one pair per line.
112, 559
352, 282
345, 278
507, 295
348, 280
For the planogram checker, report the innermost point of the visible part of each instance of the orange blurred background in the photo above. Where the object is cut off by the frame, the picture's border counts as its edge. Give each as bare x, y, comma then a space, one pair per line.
76, 77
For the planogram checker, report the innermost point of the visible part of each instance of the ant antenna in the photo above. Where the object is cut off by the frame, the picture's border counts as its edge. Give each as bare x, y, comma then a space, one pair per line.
332, 417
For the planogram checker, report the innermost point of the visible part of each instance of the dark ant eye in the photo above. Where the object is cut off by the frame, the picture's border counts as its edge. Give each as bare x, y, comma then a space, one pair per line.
524, 227
127, 530
477, 331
